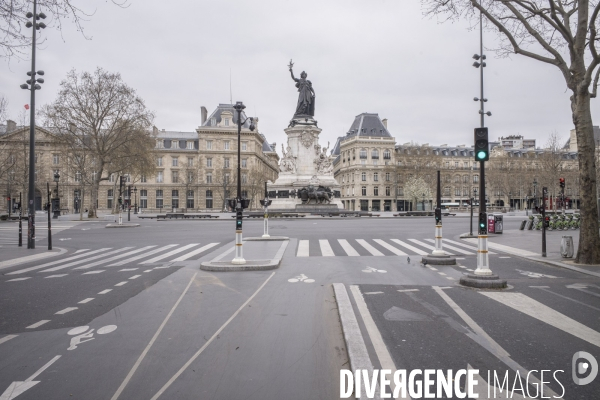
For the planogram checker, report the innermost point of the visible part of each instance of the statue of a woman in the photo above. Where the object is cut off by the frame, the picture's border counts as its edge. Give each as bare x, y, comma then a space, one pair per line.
306, 98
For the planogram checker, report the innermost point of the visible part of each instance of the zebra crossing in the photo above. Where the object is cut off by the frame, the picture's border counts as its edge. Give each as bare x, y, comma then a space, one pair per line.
109, 257
379, 247
9, 233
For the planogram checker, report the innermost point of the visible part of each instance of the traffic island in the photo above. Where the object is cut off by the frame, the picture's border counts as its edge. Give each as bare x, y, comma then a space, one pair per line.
266, 239
124, 225
483, 281
438, 260
256, 253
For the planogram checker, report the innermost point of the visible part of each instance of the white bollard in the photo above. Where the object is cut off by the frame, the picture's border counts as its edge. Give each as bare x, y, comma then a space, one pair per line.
483, 262
239, 254
438, 242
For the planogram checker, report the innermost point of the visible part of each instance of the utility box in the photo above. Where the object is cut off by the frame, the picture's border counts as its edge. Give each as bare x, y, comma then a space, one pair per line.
490, 223
566, 247
498, 223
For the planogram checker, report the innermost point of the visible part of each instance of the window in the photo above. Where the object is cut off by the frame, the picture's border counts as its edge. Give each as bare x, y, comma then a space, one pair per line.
244, 146
226, 180
226, 143
209, 178
175, 199
465, 191
159, 177
160, 144
244, 178
143, 178
387, 176
363, 176
244, 163
226, 121
475, 178
190, 199
36, 157
447, 178
143, 198
363, 153
447, 191
209, 145
244, 194
209, 199
465, 178
457, 179
159, 199
226, 162
190, 145
374, 153
387, 191
109, 198
376, 176
455, 164
364, 190
175, 176
159, 161
190, 162
175, 162
55, 159
400, 191
209, 163
387, 154
457, 191
190, 177
77, 176
376, 191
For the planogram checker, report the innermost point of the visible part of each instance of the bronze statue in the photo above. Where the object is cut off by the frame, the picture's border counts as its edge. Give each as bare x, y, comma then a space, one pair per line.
306, 98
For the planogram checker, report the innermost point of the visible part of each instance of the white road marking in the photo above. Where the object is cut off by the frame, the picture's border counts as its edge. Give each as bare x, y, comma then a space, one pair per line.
541, 312
197, 251
162, 256
326, 250
121, 283
301, 278
506, 249
148, 270
146, 254
534, 274
348, 248
459, 258
84, 261
466, 246
93, 272
191, 360
456, 249
115, 257
26, 259
105, 291
583, 288
470, 270
431, 268
66, 310
407, 290
427, 246
128, 269
86, 300
390, 247
302, 248
38, 324
18, 387
163, 267
545, 289
18, 279
461, 266
22, 271
541, 287
410, 247
373, 293
503, 257
371, 269
7, 338
135, 277
441, 273
55, 276
369, 248
451, 278
80, 251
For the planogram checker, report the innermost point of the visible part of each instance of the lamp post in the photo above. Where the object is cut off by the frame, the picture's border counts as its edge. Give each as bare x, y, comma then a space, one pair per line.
135, 209
56, 203
535, 202
423, 202
32, 85
129, 203
239, 204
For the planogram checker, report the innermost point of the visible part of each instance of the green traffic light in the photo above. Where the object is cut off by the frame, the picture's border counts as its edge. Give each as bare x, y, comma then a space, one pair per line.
480, 155
482, 225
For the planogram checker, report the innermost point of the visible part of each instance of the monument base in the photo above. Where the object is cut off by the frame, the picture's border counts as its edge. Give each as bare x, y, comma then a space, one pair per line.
483, 281
438, 260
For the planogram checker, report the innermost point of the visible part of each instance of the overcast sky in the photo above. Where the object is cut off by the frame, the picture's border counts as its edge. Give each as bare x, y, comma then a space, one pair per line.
378, 56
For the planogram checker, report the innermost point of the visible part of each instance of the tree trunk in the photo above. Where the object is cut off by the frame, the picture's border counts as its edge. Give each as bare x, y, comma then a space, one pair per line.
93, 198
588, 251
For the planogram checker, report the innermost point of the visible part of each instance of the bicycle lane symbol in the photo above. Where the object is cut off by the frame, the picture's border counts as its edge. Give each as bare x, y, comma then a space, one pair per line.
301, 278
85, 335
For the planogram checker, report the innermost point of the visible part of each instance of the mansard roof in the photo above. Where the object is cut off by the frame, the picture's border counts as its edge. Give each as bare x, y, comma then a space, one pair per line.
368, 124
215, 118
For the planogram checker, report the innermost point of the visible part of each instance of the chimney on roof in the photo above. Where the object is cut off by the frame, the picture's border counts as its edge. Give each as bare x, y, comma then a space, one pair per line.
384, 122
204, 115
10, 125
154, 130
72, 127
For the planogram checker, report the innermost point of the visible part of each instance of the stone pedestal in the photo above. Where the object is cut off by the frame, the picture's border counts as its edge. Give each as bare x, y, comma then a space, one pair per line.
304, 163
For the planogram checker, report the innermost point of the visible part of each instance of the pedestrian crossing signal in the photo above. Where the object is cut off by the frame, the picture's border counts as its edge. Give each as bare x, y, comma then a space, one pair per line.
438, 215
482, 148
238, 220
482, 222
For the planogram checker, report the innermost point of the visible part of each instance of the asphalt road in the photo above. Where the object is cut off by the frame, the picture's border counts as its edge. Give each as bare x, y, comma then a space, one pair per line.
155, 326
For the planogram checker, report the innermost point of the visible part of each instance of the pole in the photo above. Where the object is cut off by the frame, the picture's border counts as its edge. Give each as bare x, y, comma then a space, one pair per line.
239, 253
266, 206
20, 222
31, 194
438, 224
129, 204
471, 227
544, 192
49, 218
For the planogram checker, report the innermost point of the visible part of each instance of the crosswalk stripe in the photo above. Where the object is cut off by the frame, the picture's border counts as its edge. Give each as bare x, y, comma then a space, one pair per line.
390, 247
22, 271
163, 256
426, 245
110, 253
369, 248
539, 311
197, 251
326, 250
348, 248
464, 245
142, 255
506, 249
302, 248
408, 246
88, 266
447, 246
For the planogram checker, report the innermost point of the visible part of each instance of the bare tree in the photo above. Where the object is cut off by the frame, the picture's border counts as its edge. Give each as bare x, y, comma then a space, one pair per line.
546, 31
15, 39
416, 188
97, 112
255, 185
3, 108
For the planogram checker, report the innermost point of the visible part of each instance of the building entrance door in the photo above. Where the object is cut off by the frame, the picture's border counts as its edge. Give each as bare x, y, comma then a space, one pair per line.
364, 205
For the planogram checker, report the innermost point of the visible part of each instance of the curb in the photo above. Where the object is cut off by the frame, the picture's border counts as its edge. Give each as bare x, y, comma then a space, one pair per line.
33, 257
566, 266
122, 226
251, 265
268, 239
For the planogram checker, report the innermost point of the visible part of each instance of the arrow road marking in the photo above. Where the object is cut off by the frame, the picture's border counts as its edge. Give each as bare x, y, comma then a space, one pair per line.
371, 269
18, 387
582, 288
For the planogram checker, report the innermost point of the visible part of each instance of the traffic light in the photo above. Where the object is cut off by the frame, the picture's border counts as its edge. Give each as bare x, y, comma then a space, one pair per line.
482, 150
438, 216
562, 182
547, 221
482, 223
120, 200
238, 220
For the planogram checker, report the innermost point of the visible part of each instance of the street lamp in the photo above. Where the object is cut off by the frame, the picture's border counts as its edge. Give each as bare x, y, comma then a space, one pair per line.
32, 85
239, 204
56, 205
135, 209
423, 203
535, 191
